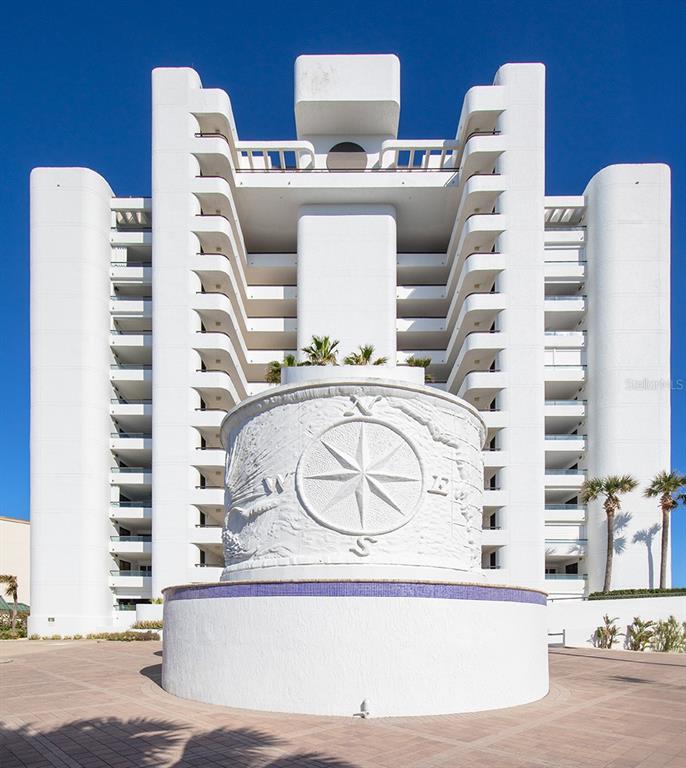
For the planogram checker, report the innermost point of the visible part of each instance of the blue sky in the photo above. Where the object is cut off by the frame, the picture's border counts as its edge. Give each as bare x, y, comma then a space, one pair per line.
75, 90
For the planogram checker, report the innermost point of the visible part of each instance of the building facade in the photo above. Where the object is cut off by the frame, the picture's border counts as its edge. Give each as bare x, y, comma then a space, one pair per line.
15, 538
152, 317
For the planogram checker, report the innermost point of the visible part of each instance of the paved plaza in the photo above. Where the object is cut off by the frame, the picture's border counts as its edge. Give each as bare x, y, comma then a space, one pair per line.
99, 704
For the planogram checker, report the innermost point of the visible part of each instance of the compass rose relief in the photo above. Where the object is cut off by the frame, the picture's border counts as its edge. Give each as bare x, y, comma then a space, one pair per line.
360, 477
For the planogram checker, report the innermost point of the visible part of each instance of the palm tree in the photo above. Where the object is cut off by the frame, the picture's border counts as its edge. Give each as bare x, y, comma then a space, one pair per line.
11, 589
420, 362
274, 369
666, 485
364, 357
611, 487
321, 351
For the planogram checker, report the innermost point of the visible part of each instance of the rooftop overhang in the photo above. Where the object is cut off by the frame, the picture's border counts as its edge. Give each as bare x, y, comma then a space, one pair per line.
564, 210
335, 95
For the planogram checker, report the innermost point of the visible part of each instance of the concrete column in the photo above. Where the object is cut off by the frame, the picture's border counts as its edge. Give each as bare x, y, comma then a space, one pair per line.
522, 282
347, 276
174, 287
70, 394
628, 341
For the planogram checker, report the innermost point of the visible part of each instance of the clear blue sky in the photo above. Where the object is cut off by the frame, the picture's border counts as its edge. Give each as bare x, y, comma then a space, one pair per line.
75, 90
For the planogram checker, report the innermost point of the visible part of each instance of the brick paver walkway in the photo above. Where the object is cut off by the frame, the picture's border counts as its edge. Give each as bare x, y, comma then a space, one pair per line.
99, 704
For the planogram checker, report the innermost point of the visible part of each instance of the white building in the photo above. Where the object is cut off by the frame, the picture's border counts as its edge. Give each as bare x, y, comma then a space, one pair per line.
151, 318
15, 536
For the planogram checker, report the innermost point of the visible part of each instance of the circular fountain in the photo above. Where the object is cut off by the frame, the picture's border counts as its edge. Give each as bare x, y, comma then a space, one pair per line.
353, 581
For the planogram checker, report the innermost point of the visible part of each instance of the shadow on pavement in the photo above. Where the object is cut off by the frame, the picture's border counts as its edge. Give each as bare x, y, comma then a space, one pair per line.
145, 742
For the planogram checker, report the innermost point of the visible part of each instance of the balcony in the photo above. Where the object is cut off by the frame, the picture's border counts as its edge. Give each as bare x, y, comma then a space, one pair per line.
130, 511
131, 477
563, 313
493, 537
565, 585
131, 579
206, 534
571, 479
206, 572
564, 513
131, 546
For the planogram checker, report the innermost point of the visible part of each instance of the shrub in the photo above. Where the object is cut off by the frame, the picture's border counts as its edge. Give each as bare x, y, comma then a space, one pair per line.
34, 636
55, 637
157, 600
127, 636
669, 636
12, 634
639, 634
607, 633
77, 637
148, 624
620, 594
6, 620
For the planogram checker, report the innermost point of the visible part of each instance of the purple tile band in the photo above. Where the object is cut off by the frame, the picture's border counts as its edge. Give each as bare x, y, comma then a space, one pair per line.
356, 589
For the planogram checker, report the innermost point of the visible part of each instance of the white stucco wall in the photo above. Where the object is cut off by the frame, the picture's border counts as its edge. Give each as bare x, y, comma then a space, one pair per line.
579, 618
347, 276
522, 321
628, 343
70, 399
325, 655
174, 287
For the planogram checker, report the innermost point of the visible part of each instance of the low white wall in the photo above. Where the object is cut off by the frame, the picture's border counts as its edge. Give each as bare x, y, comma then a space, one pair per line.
579, 618
308, 373
322, 655
149, 612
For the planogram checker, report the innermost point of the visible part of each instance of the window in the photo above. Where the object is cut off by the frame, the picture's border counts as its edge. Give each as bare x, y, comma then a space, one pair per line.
346, 156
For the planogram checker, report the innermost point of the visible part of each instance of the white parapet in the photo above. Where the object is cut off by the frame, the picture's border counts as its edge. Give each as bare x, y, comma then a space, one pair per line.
325, 647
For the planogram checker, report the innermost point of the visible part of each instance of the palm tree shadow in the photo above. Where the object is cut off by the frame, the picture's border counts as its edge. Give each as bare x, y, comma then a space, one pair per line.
148, 742
621, 521
646, 536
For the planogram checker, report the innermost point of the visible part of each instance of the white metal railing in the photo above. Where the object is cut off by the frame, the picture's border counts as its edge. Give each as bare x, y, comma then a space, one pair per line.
420, 154
274, 156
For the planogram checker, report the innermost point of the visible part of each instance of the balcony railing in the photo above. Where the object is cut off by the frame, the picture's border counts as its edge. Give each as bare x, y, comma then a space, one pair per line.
396, 155
147, 504
142, 537
570, 540
131, 573
565, 576
209, 565
566, 298
124, 401
131, 366
565, 402
144, 435
131, 469
578, 472
565, 333
565, 437
566, 507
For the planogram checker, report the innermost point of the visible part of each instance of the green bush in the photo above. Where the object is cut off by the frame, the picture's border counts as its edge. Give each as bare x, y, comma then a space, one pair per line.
620, 594
148, 624
669, 636
639, 634
127, 636
607, 633
34, 637
6, 620
12, 634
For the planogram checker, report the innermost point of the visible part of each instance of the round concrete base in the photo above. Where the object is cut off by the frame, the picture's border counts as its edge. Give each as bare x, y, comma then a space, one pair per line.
326, 647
